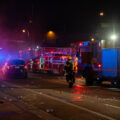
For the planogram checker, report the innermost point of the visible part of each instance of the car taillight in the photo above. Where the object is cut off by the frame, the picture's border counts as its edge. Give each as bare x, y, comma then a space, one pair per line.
25, 66
8, 67
3, 69
99, 65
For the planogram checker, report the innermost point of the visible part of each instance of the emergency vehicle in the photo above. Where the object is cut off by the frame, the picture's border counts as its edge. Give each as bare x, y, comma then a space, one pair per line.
53, 58
50, 62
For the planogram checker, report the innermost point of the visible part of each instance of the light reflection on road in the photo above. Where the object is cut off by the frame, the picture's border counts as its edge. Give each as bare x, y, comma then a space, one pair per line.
78, 92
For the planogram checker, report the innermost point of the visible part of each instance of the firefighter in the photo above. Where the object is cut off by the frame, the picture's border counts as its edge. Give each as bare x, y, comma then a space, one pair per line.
70, 72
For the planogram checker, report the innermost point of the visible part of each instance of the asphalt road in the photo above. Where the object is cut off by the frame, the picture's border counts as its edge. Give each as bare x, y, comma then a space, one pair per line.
49, 98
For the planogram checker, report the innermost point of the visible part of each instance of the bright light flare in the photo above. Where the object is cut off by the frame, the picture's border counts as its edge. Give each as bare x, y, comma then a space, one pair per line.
101, 14
51, 35
26, 67
99, 65
92, 39
80, 44
113, 37
29, 49
37, 47
23, 30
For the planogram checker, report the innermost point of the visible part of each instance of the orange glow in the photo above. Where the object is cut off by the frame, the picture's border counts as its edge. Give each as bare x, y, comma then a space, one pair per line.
23, 30
26, 67
80, 44
99, 65
101, 13
51, 35
76, 64
3, 70
51, 32
92, 39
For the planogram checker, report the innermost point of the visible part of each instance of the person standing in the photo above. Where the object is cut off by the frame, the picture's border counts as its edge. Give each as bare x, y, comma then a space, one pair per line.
70, 71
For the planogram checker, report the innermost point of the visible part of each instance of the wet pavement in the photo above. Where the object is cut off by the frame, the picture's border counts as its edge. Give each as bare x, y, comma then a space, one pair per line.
46, 95
9, 111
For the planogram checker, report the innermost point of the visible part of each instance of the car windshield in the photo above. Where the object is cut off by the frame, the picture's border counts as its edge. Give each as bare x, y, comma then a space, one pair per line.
16, 62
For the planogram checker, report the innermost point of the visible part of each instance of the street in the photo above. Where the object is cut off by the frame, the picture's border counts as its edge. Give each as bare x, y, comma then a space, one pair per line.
47, 97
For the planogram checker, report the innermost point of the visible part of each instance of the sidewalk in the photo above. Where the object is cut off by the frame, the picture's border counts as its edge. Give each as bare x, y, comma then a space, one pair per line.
9, 111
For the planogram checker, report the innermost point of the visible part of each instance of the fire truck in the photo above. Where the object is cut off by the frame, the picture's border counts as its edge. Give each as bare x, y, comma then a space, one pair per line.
51, 60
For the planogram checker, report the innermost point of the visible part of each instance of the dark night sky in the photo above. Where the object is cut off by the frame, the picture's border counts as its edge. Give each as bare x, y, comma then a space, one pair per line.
73, 17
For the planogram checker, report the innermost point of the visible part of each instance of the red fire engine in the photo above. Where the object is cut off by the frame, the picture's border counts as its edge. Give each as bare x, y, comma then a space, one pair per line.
53, 59
50, 62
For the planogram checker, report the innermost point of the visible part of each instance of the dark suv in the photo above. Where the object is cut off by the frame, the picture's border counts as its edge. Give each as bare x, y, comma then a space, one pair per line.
15, 68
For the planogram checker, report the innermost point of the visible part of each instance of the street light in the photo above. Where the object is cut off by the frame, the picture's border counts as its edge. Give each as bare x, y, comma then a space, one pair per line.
37, 47
23, 30
26, 31
92, 39
113, 37
51, 35
101, 14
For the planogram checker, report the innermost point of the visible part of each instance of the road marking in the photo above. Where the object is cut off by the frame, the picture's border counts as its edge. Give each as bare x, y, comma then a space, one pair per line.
65, 102
114, 89
73, 105
38, 112
112, 106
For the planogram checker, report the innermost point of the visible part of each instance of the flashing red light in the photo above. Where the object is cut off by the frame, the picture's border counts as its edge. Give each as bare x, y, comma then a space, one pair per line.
99, 65
3, 70
38, 63
29, 49
80, 44
51, 52
25, 66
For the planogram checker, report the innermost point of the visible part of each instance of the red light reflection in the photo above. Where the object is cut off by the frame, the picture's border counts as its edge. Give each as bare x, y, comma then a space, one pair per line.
78, 92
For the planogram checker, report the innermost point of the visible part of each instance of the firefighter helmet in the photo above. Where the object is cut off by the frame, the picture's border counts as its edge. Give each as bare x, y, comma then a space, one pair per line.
69, 58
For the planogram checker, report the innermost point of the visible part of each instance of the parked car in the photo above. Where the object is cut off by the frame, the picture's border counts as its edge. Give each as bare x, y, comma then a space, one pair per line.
15, 68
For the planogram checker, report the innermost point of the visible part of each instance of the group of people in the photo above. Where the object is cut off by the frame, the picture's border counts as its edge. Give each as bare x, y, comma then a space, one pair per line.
88, 72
